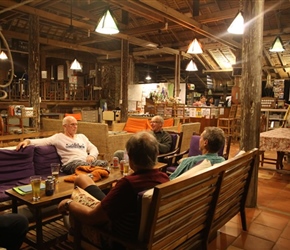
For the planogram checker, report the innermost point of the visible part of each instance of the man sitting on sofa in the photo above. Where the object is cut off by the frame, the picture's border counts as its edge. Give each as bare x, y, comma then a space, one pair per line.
211, 140
74, 149
163, 137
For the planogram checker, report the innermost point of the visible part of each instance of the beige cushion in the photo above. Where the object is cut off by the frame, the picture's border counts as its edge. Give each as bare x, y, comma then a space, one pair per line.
240, 153
146, 201
196, 169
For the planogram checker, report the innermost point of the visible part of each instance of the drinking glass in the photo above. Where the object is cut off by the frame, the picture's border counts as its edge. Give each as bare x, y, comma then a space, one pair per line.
35, 182
55, 170
126, 168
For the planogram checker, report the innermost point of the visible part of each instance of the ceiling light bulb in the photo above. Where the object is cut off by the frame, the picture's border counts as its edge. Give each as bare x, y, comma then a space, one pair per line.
75, 65
148, 78
3, 55
277, 45
191, 66
237, 26
107, 24
194, 48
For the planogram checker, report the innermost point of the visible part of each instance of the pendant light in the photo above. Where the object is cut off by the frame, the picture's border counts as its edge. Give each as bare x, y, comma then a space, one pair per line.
194, 48
191, 66
237, 26
75, 65
3, 55
148, 77
107, 24
277, 45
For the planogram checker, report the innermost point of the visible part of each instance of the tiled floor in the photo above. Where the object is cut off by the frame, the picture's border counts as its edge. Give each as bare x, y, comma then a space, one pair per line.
268, 223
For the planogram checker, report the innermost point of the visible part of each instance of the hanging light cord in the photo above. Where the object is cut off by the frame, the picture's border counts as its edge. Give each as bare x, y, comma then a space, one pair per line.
3, 92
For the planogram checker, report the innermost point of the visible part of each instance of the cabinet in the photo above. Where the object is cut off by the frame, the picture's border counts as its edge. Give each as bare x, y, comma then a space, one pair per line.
19, 120
274, 117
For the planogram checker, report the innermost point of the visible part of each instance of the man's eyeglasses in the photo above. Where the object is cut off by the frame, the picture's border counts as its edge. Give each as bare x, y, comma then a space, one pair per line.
73, 124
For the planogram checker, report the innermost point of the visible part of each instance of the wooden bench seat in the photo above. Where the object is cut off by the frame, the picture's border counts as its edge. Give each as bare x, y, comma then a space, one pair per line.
185, 212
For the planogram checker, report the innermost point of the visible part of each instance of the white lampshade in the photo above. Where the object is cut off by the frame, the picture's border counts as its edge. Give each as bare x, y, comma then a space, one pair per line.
107, 24
194, 48
3, 55
191, 66
148, 77
277, 45
75, 65
237, 26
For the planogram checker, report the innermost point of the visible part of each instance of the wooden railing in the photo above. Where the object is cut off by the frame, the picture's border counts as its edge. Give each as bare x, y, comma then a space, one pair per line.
54, 91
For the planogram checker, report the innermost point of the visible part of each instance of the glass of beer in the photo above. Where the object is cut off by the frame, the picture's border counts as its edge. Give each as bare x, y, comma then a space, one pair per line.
35, 182
55, 170
126, 168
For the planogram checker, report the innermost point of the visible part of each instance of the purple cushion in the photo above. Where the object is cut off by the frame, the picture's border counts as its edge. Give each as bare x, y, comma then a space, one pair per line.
43, 156
16, 165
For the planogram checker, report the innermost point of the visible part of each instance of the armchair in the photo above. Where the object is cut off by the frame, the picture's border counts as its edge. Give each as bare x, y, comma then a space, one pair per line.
175, 146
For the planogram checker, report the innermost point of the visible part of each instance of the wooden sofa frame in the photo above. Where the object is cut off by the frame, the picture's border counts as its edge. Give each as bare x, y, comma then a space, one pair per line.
185, 212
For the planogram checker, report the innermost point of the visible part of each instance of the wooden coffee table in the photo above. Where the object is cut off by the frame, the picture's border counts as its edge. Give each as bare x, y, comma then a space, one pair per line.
63, 190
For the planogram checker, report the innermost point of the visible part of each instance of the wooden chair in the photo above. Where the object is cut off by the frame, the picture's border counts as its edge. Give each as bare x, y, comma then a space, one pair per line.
280, 154
175, 146
227, 123
237, 123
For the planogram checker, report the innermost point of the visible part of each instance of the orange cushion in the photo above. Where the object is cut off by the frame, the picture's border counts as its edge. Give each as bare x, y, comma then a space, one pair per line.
78, 116
168, 122
134, 125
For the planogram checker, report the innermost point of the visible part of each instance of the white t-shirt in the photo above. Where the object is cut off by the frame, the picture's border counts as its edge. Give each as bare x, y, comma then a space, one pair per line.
69, 149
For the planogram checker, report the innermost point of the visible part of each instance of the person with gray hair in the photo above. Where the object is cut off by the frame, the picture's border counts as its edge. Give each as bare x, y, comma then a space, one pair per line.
164, 139
120, 207
74, 149
211, 140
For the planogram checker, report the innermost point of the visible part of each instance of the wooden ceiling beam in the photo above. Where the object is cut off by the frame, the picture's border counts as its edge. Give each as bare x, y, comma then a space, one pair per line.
158, 9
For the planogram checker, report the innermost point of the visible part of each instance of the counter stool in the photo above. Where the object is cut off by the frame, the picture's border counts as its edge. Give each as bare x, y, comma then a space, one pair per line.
227, 123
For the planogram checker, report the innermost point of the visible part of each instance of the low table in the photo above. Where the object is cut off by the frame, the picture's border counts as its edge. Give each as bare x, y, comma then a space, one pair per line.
63, 190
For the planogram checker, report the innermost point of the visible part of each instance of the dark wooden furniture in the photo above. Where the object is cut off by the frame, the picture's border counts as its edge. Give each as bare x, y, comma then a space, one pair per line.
63, 190
186, 211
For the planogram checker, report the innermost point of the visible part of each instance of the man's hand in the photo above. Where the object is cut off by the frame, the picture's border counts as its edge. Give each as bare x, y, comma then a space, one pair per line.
22, 144
62, 207
90, 159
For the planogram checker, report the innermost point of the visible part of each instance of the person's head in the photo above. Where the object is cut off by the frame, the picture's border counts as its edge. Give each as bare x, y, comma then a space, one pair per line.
202, 99
157, 123
70, 125
142, 149
211, 140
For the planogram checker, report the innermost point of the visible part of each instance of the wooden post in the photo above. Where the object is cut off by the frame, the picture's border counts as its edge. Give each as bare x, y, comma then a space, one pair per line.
124, 79
34, 69
252, 47
177, 76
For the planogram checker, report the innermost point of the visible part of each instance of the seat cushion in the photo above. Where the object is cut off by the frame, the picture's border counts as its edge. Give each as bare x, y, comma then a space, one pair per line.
43, 157
196, 169
134, 125
16, 165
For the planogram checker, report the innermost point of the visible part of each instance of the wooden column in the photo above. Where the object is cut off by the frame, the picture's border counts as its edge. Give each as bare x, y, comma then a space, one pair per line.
34, 68
177, 76
252, 47
124, 79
